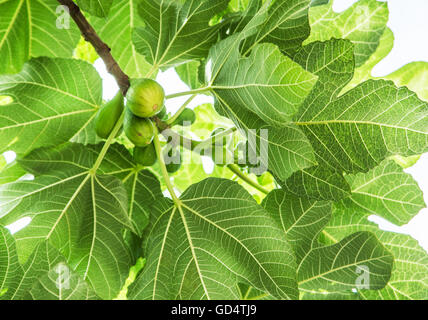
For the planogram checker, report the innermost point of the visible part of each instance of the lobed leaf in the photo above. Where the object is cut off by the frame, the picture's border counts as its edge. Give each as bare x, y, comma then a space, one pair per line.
53, 100
215, 238
363, 23
32, 29
176, 32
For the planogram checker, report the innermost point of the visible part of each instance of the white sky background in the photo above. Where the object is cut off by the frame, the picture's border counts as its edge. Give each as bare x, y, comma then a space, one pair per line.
408, 20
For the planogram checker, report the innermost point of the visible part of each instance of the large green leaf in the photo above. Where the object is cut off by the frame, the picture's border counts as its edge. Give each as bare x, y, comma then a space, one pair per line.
176, 32
325, 59
29, 28
215, 238
116, 31
385, 191
356, 131
364, 24
142, 186
333, 267
409, 278
53, 100
99, 8
274, 92
81, 214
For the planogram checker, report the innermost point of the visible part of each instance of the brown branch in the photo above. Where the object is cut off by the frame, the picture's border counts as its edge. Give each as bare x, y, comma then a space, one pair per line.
102, 49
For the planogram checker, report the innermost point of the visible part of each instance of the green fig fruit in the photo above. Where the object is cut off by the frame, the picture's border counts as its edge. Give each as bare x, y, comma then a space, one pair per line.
145, 156
108, 115
173, 159
140, 131
186, 118
145, 98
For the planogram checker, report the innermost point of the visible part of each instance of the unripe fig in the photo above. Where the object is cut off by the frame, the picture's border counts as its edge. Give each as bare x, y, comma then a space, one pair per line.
145, 98
173, 159
186, 118
108, 115
145, 156
140, 131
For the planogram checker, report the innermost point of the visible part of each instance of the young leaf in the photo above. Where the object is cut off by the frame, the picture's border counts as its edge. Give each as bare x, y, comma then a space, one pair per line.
216, 237
53, 99
32, 29
175, 33
364, 24
412, 76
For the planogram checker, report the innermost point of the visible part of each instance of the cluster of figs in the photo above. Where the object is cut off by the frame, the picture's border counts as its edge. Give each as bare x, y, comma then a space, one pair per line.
145, 99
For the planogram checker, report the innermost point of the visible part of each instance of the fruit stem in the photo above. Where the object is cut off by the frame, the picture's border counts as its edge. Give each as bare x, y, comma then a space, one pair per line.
235, 169
164, 171
182, 108
187, 93
108, 143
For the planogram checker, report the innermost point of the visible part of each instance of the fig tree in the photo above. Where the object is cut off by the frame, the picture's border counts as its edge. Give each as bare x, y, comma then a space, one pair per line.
140, 131
145, 98
108, 115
